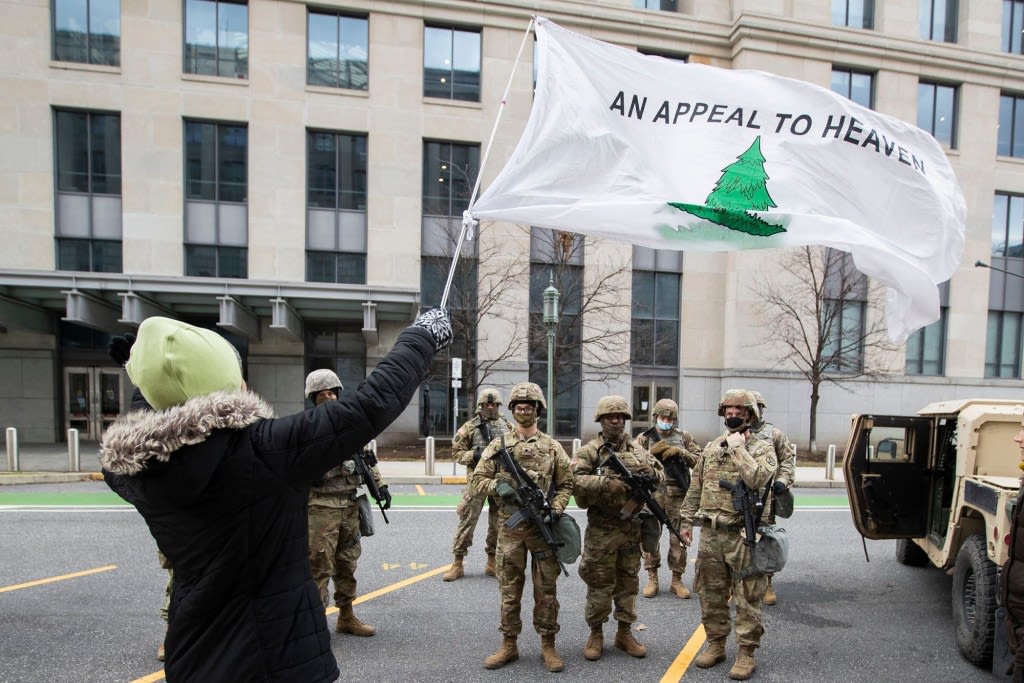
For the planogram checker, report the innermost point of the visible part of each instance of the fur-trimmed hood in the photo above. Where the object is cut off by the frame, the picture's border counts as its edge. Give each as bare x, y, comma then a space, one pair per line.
142, 436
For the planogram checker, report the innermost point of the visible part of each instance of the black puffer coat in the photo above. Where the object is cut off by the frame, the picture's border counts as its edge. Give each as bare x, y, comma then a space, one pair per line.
223, 489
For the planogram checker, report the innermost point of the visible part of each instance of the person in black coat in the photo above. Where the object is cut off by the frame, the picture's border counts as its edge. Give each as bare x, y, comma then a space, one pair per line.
223, 487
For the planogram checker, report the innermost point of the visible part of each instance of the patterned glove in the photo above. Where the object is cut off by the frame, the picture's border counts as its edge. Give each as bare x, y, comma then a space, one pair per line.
120, 348
439, 324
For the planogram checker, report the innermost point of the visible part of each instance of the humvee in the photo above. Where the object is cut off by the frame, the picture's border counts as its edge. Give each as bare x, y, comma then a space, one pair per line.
943, 483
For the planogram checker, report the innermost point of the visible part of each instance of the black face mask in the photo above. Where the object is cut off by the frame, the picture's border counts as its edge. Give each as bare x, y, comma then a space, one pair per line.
733, 423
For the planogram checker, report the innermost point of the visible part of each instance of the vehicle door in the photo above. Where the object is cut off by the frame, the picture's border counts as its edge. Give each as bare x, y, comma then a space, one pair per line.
886, 470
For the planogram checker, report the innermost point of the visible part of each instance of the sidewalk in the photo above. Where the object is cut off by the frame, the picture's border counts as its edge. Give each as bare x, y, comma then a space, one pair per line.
49, 463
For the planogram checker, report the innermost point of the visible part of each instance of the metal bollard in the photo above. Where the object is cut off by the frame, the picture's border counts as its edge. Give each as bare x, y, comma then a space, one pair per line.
830, 463
12, 449
428, 461
73, 461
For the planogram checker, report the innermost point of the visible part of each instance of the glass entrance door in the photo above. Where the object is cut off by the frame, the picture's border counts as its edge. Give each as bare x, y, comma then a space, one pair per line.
645, 394
94, 397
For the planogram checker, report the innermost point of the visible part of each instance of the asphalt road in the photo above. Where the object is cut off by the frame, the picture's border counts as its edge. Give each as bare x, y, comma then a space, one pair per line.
839, 618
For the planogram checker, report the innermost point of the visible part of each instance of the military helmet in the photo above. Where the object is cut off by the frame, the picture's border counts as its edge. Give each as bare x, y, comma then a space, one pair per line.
739, 398
488, 395
322, 379
528, 392
666, 407
612, 405
760, 400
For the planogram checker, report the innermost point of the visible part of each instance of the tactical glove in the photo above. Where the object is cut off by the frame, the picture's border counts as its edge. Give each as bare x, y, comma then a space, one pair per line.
504, 490
616, 487
438, 323
385, 496
779, 487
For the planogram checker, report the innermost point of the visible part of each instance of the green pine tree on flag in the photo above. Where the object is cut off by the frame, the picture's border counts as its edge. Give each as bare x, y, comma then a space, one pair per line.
742, 187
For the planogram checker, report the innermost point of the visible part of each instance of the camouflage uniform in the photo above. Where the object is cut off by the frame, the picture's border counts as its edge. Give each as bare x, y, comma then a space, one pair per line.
465, 451
334, 532
785, 455
610, 564
544, 456
722, 556
670, 496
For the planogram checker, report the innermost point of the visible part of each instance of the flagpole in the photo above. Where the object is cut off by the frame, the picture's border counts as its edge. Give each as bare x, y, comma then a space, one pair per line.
467, 219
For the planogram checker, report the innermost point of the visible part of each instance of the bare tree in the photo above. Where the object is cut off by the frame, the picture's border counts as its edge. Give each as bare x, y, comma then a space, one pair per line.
816, 306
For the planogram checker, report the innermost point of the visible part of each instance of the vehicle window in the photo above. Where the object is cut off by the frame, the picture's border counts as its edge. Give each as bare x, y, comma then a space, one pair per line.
889, 444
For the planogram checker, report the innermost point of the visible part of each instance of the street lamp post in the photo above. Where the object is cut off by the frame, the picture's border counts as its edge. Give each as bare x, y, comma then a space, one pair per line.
551, 296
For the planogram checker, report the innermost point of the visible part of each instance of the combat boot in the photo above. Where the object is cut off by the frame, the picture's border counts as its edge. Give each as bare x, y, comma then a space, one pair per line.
625, 641
595, 643
651, 589
489, 567
456, 571
349, 623
713, 654
769, 595
552, 662
508, 652
745, 664
678, 587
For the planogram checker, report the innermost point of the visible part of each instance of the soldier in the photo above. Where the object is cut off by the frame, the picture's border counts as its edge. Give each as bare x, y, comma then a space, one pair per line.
469, 442
610, 564
785, 454
678, 452
723, 558
334, 521
543, 460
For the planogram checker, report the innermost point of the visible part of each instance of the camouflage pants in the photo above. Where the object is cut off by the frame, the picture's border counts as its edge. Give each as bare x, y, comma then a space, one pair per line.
333, 551
169, 587
610, 566
513, 546
721, 554
469, 509
673, 506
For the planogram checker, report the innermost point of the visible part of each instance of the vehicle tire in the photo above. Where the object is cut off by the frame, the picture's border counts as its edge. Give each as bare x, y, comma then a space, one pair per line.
975, 588
910, 553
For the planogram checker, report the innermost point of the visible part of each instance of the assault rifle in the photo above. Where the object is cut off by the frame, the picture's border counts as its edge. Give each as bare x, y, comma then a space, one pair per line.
365, 460
745, 500
533, 505
641, 488
485, 431
674, 467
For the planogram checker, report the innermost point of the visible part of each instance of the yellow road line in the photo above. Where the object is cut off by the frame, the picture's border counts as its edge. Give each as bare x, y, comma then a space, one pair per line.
419, 489
685, 657
54, 579
159, 675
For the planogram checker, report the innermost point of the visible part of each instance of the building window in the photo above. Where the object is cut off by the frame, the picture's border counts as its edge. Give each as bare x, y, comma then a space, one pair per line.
1013, 26
451, 63
662, 5
336, 207
217, 38
449, 172
556, 257
216, 199
1008, 226
936, 112
1003, 345
338, 51
939, 20
656, 295
853, 13
87, 31
88, 198
853, 85
844, 316
1011, 126
926, 348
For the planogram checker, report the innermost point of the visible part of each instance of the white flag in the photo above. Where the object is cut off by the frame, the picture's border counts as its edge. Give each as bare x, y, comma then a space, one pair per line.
670, 155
